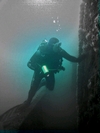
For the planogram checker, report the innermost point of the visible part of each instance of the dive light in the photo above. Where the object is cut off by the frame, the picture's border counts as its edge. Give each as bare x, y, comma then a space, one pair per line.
45, 69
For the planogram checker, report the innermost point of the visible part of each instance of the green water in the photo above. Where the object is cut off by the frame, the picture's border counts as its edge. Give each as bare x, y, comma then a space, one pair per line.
23, 27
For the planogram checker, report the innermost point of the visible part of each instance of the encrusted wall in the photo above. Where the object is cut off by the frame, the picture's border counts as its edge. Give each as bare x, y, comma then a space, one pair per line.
88, 90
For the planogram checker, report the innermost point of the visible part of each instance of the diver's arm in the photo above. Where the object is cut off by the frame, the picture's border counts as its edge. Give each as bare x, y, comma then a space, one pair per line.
30, 66
32, 62
71, 58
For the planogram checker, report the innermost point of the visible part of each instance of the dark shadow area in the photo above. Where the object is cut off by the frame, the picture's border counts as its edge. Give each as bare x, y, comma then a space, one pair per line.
88, 72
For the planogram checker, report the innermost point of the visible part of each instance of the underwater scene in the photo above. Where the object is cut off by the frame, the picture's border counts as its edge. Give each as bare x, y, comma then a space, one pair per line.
44, 50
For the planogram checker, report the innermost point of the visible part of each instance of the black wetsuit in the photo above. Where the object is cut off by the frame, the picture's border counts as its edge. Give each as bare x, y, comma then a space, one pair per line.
53, 60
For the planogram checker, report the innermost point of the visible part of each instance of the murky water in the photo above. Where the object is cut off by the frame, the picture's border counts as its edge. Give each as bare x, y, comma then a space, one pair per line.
23, 25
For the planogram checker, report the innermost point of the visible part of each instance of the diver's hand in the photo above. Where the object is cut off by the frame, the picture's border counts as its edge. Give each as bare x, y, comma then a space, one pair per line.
33, 67
30, 66
82, 57
62, 68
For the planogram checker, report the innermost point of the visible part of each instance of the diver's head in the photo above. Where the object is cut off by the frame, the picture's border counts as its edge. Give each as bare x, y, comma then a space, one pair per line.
55, 44
54, 41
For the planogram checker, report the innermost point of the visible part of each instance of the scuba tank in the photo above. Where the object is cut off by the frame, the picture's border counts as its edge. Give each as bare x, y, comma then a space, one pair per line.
43, 45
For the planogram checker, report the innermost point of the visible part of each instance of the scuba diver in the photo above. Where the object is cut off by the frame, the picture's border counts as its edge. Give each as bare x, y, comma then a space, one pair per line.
46, 62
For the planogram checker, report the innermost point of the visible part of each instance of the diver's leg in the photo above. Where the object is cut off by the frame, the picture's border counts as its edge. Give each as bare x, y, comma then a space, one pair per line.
34, 86
50, 81
42, 83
